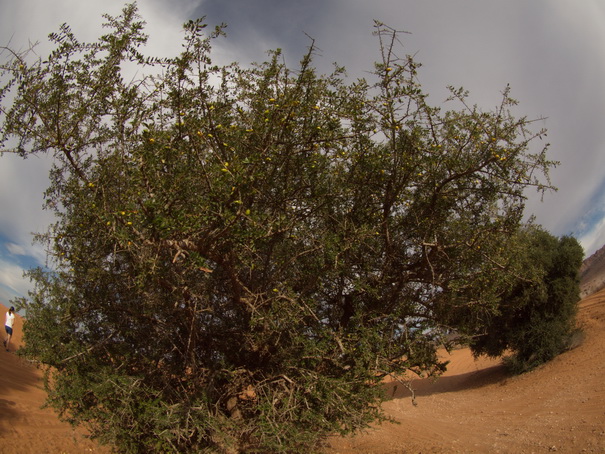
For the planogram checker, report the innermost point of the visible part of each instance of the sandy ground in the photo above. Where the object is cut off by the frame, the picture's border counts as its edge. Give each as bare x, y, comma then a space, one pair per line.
25, 427
474, 408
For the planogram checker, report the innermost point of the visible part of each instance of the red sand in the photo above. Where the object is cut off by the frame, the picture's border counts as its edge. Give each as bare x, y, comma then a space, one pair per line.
24, 426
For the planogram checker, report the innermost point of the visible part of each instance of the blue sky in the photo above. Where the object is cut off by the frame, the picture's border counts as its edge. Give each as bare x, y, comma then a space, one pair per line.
551, 52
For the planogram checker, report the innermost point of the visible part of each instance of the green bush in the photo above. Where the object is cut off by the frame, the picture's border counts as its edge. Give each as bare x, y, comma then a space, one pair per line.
536, 319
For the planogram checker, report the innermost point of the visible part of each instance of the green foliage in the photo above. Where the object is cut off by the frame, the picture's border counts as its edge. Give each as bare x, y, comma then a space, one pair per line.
536, 319
242, 254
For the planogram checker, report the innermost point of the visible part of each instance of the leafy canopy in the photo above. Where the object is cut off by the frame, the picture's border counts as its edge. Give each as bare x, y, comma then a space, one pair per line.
242, 254
536, 318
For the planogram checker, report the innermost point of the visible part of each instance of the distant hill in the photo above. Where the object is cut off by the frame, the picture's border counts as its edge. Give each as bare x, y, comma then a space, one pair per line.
592, 273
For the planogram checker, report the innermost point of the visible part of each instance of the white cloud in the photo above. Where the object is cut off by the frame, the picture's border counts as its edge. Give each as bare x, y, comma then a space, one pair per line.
32, 20
15, 249
22, 183
12, 282
594, 239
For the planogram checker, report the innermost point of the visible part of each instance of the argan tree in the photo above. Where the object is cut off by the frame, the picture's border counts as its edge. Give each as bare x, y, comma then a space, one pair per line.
242, 254
536, 317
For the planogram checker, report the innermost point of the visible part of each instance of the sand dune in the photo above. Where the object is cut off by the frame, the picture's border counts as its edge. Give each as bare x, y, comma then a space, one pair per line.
24, 426
474, 408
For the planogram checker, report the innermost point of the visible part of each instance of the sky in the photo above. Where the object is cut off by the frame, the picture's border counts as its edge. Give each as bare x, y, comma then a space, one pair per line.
550, 52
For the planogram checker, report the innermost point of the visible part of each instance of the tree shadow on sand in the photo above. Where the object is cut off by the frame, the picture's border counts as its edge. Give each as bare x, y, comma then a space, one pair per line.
450, 383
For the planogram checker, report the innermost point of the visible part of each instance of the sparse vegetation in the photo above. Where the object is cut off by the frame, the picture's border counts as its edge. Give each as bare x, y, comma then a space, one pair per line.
242, 254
